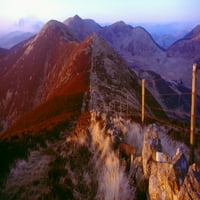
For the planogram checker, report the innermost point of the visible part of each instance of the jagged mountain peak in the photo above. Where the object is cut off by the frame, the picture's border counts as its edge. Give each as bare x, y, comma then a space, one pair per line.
142, 34
119, 23
73, 19
140, 30
57, 28
77, 17
82, 28
119, 27
78, 20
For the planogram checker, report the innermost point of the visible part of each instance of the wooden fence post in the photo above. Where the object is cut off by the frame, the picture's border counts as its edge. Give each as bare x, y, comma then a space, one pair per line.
193, 111
143, 99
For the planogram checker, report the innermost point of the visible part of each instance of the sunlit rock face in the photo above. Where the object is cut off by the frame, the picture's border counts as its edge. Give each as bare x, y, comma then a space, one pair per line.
168, 177
165, 184
190, 189
162, 182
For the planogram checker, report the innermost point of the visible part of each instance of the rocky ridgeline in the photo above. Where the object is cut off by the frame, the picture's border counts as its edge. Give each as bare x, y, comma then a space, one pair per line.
105, 157
152, 173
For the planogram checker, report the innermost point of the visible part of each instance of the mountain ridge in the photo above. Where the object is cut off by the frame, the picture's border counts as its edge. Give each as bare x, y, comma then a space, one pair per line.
83, 74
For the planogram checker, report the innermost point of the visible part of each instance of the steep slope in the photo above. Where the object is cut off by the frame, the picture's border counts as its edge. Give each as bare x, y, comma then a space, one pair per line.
173, 96
111, 79
69, 78
188, 47
28, 71
166, 40
139, 50
194, 34
134, 44
181, 56
82, 28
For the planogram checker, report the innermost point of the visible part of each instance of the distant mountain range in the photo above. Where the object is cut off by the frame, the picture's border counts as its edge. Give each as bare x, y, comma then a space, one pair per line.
167, 33
11, 39
18, 32
139, 50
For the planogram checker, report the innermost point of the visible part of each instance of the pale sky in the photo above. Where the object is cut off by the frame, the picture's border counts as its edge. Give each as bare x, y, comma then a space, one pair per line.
102, 11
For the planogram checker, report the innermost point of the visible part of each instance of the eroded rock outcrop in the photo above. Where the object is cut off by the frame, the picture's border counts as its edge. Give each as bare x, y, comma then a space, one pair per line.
168, 178
191, 185
151, 145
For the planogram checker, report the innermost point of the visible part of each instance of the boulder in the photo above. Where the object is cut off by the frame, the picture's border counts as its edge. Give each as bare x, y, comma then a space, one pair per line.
163, 184
166, 178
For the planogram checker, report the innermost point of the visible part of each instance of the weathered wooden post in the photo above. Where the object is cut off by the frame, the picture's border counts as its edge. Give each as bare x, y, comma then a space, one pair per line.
193, 112
143, 99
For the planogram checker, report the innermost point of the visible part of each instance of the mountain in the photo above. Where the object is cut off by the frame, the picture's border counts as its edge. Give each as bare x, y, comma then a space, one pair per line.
82, 28
22, 30
167, 33
194, 34
188, 47
42, 77
134, 44
28, 71
11, 39
166, 40
140, 51
36, 61
181, 56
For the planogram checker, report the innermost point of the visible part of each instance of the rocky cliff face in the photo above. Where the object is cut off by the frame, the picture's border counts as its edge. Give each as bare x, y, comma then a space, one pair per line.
167, 176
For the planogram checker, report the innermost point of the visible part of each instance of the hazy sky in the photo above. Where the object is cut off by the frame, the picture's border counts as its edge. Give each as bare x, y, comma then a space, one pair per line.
102, 11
